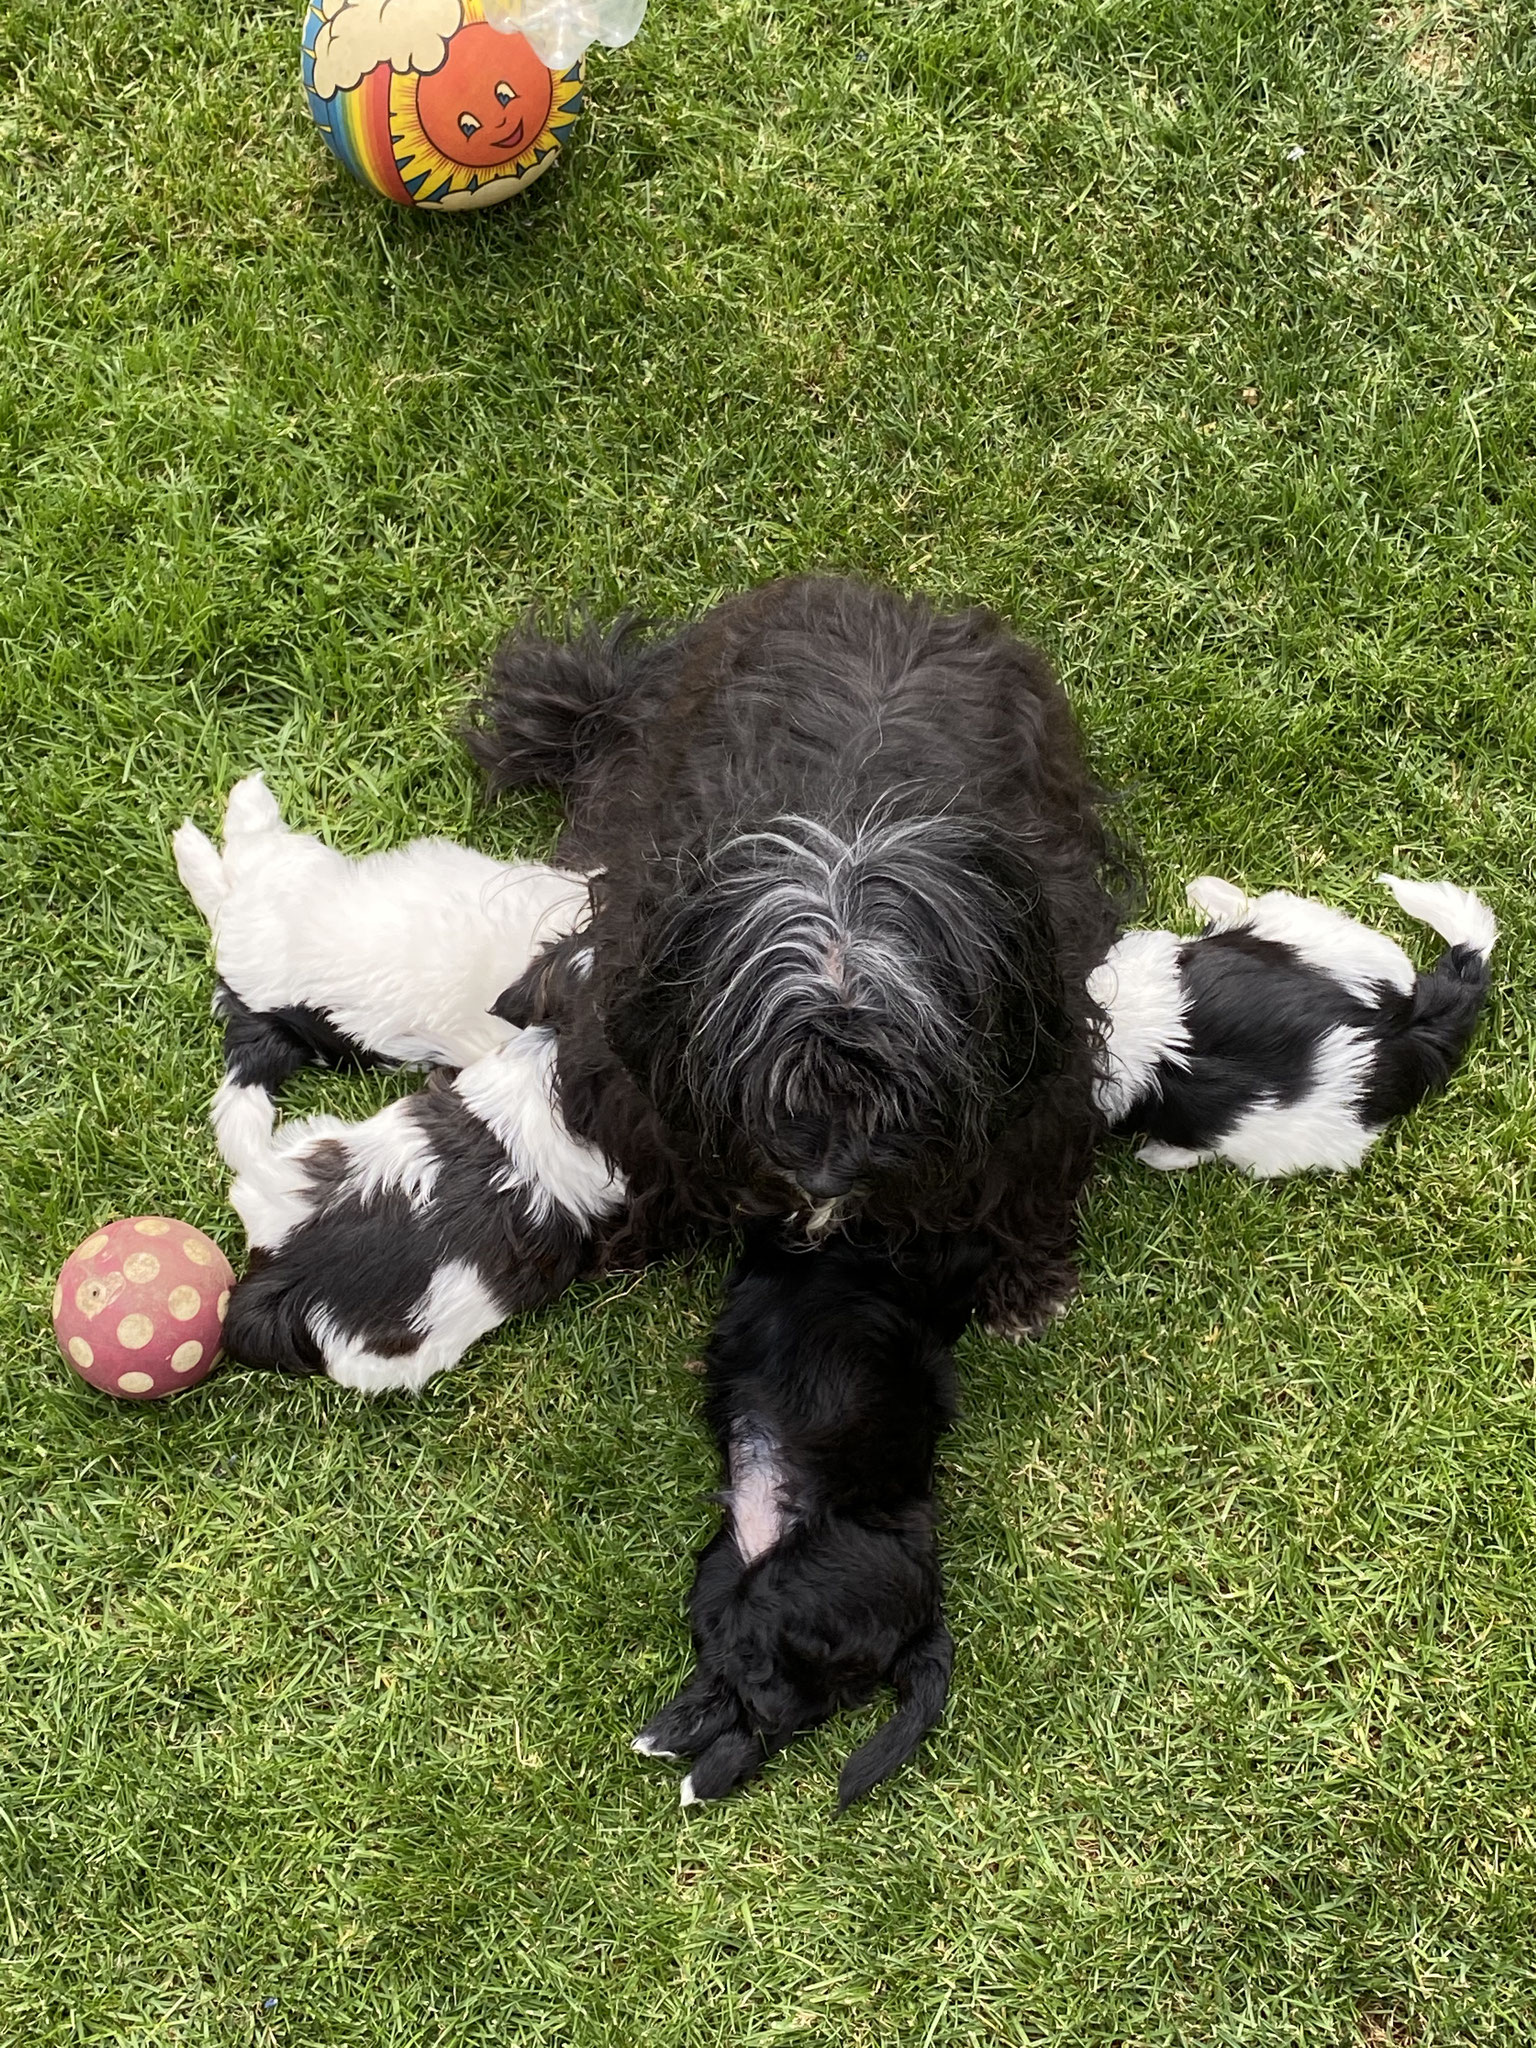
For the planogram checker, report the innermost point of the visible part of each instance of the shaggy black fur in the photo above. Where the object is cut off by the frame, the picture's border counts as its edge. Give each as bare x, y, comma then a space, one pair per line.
853, 886
831, 1376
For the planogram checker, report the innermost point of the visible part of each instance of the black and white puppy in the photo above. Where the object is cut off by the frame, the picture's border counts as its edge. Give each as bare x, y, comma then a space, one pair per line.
1286, 1035
393, 957
381, 1250
830, 1378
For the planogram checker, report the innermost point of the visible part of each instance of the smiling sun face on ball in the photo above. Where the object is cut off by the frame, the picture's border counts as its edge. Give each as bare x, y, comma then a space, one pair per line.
488, 102
486, 122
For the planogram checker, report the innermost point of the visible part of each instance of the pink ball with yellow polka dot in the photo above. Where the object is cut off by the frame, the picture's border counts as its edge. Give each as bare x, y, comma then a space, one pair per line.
139, 1308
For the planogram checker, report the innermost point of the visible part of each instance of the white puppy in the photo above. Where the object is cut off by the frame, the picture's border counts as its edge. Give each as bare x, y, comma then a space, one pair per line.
395, 956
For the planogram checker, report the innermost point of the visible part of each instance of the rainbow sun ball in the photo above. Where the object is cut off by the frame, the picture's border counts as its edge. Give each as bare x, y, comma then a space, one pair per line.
430, 104
139, 1307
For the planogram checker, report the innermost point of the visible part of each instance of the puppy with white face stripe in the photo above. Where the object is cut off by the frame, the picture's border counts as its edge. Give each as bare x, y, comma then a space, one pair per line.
1286, 1036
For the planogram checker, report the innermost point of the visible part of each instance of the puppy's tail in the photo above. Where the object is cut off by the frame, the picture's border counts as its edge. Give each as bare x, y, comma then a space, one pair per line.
1463, 920
550, 708
260, 1053
268, 1325
921, 1679
1447, 1000
201, 868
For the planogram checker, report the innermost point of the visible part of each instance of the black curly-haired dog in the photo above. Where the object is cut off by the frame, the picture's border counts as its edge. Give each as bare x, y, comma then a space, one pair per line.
831, 1376
851, 893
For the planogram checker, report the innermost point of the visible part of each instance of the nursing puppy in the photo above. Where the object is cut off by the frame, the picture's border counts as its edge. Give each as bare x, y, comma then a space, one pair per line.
381, 1250
830, 1378
394, 957
1286, 1035
851, 896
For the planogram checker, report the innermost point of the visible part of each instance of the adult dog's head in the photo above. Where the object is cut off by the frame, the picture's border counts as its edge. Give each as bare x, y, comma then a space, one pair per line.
843, 1022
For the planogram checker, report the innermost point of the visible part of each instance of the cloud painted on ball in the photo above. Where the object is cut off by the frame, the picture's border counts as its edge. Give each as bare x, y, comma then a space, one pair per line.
357, 35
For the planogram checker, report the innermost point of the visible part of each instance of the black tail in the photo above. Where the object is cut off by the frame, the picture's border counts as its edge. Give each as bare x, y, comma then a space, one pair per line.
921, 1679
1432, 1039
549, 708
267, 1324
263, 1048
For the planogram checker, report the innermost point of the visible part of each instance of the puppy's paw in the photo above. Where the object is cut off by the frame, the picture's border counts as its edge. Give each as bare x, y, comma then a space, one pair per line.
1221, 903
727, 1764
1170, 1158
251, 807
700, 1714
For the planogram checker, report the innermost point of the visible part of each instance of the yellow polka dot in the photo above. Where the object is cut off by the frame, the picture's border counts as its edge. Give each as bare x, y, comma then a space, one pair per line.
92, 1296
223, 1304
134, 1332
81, 1352
134, 1382
197, 1251
185, 1356
140, 1266
58, 1296
152, 1226
93, 1245
183, 1303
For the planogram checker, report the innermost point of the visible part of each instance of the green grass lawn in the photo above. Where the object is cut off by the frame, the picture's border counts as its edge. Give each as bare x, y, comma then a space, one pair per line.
1197, 335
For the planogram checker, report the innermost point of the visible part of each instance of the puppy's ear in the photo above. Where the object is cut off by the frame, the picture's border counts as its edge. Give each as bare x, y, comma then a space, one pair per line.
547, 991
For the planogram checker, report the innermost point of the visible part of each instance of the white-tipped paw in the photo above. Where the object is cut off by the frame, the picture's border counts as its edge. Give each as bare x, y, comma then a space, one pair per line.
252, 808
1170, 1158
1029, 1329
1223, 903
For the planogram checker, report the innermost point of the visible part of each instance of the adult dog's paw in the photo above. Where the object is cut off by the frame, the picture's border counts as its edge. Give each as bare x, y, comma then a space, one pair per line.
1021, 1306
